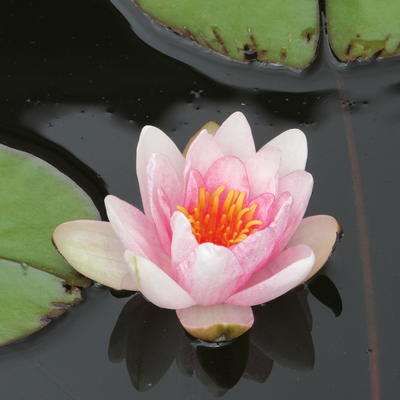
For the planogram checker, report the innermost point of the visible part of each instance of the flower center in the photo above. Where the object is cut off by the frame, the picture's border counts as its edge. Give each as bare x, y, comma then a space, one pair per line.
224, 224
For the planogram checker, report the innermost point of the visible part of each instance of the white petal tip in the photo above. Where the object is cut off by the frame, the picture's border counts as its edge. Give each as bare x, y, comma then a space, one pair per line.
239, 117
108, 200
294, 150
149, 127
297, 132
238, 114
150, 131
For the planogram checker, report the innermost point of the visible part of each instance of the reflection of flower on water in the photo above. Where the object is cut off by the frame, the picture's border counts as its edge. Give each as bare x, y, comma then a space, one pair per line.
150, 340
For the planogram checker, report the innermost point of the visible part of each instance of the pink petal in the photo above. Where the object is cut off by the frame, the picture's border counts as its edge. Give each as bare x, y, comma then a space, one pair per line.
228, 171
210, 274
203, 152
254, 251
94, 250
299, 184
321, 233
281, 213
152, 140
262, 170
183, 240
265, 210
158, 287
165, 193
285, 272
193, 181
218, 322
234, 137
293, 147
136, 232
162, 175
162, 211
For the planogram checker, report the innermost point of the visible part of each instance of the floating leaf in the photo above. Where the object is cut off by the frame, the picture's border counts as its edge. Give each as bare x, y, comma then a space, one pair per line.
279, 32
29, 298
36, 283
36, 198
363, 29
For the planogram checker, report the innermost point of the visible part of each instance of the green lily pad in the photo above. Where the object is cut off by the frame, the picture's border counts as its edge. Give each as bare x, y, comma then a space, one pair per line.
36, 283
36, 198
279, 32
363, 29
29, 298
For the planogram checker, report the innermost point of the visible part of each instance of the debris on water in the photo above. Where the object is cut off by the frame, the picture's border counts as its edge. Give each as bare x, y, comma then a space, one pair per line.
196, 93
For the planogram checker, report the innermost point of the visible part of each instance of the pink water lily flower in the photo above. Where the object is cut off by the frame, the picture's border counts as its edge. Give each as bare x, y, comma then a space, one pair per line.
222, 228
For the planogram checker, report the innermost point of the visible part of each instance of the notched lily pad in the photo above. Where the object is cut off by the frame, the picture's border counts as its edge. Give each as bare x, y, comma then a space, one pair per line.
29, 299
35, 199
283, 33
36, 283
363, 29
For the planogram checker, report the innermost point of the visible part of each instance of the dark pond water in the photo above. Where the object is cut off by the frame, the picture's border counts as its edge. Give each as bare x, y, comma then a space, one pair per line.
77, 85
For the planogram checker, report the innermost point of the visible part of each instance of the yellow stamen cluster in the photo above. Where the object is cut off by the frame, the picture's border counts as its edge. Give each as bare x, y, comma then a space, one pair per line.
223, 224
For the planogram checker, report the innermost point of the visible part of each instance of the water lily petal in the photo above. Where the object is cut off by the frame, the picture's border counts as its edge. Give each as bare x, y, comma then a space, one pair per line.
228, 171
135, 230
293, 147
210, 274
265, 209
152, 140
262, 170
162, 175
162, 210
183, 240
158, 287
299, 184
218, 322
234, 137
254, 251
165, 193
211, 127
203, 152
281, 212
193, 181
285, 272
93, 249
320, 232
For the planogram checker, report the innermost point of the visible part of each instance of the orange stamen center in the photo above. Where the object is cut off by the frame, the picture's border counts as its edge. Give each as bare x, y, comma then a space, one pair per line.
223, 224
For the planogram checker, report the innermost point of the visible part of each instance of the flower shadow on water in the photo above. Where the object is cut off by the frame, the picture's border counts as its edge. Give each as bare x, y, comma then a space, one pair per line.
150, 339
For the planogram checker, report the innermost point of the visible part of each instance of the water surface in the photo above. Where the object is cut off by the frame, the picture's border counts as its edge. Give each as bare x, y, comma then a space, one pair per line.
77, 84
